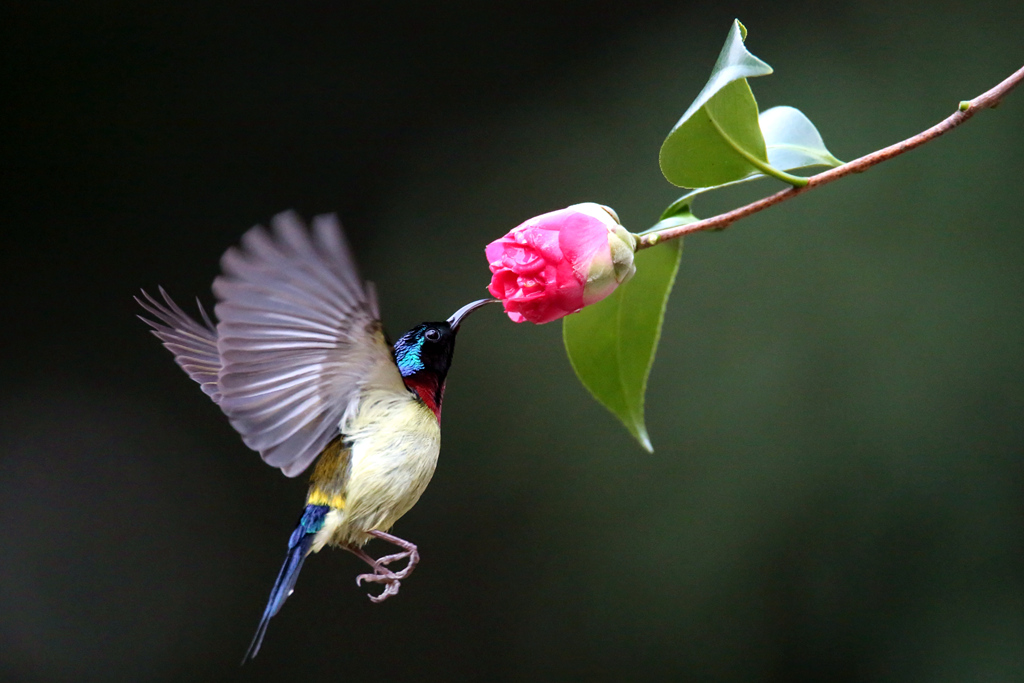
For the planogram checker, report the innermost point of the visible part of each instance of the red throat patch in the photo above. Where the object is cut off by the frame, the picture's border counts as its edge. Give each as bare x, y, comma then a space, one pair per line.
426, 387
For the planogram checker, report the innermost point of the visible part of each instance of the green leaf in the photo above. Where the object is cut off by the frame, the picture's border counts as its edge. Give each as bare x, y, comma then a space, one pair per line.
792, 142
718, 139
611, 344
681, 207
675, 215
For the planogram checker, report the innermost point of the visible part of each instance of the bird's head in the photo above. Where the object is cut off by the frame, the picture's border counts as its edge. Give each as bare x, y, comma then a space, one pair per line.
424, 354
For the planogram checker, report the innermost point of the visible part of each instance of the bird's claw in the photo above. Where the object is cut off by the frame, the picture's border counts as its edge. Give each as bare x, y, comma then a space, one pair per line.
389, 579
389, 590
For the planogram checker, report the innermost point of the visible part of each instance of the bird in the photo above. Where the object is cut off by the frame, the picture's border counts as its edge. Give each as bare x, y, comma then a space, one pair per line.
299, 362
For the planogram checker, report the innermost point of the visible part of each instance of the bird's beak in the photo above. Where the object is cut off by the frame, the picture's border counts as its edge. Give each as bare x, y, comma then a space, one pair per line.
460, 314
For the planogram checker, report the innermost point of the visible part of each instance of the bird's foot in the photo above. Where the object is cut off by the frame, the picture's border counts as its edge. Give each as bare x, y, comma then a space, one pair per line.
409, 552
412, 556
384, 576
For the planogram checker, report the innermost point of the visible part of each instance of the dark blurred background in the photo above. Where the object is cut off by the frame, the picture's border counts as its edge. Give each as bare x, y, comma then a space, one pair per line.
837, 490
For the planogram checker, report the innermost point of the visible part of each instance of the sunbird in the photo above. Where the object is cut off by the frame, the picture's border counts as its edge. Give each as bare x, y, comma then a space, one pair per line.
300, 364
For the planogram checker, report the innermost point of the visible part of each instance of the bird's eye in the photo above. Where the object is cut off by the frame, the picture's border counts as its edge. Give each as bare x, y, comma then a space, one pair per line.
432, 334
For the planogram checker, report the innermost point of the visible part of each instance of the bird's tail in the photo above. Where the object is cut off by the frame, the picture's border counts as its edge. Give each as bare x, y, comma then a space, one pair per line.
298, 548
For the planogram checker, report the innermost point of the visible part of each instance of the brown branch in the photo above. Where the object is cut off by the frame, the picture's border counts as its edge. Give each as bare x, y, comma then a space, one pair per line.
987, 100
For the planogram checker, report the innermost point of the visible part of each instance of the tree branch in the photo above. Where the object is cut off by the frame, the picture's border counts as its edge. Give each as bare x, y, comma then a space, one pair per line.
987, 100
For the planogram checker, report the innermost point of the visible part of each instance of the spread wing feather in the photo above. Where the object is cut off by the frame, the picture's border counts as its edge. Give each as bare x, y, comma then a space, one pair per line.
194, 345
299, 337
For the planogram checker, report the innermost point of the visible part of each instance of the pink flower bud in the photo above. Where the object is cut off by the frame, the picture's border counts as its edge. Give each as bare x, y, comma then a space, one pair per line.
559, 262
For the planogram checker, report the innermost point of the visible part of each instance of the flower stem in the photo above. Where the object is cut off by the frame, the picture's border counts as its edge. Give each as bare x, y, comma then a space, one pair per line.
987, 100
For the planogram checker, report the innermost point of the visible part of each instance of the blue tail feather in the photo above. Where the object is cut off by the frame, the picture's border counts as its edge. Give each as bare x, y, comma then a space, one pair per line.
298, 548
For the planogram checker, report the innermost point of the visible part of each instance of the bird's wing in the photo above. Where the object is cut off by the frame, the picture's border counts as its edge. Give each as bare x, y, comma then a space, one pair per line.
193, 344
299, 336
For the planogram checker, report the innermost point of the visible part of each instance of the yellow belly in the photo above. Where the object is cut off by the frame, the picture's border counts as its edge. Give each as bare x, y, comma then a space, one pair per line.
395, 440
